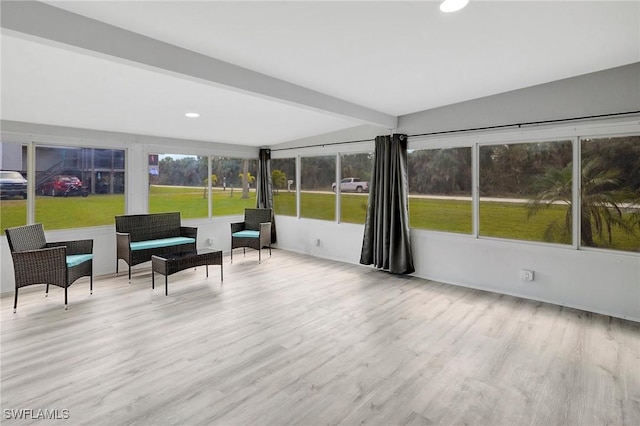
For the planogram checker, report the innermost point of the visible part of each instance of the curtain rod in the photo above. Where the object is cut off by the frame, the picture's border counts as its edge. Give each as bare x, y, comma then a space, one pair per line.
475, 129
530, 123
323, 144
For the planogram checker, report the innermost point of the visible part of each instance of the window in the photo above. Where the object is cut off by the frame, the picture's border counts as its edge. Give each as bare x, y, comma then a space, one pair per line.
178, 183
317, 200
283, 178
526, 191
107, 167
354, 186
13, 185
440, 189
234, 185
78, 187
610, 204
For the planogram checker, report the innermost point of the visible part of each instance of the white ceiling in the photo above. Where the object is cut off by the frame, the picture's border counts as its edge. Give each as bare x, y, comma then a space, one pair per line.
392, 57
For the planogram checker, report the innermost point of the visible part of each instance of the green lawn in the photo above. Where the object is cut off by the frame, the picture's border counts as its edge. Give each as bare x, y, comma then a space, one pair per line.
192, 203
284, 203
61, 212
503, 220
497, 219
13, 212
317, 206
322, 206
440, 215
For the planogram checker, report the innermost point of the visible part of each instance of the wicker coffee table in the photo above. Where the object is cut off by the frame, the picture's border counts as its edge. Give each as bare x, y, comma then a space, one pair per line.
167, 264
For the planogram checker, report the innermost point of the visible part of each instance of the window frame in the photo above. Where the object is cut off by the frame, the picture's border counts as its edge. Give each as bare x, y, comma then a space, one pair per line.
163, 150
336, 159
531, 134
578, 188
30, 205
422, 145
32, 142
296, 181
558, 139
340, 178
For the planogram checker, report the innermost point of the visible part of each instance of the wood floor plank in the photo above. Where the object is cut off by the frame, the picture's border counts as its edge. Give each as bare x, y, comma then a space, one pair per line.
307, 341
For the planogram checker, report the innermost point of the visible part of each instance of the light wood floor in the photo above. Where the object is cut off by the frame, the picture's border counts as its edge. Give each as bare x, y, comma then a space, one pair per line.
305, 341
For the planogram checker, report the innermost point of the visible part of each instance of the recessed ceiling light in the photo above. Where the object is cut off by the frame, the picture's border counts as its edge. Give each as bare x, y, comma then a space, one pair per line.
192, 115
452, 5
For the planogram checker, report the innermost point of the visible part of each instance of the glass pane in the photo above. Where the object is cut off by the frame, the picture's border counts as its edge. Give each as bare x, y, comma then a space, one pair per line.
440, 189
234, 185
354, 187
283, 176
177, 183
78, 187
525, 191
13, 185
610, 207
317, 200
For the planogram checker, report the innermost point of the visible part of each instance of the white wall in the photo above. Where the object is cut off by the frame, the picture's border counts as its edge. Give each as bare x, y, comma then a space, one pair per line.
596, 281
341, 242
611, 91
603, 282
600, 281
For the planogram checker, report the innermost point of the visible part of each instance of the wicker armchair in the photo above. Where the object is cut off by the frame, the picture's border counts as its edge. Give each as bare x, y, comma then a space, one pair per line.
254, 232
58, 263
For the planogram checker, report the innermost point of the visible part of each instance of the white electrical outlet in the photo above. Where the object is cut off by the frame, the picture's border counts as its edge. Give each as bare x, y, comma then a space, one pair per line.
209, 241
316, 242
526, 275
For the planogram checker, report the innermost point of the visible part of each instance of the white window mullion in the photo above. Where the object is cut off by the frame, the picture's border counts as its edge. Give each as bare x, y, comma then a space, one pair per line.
338, 177
298, 186
475, 189
576, 187
31, 183
210, 186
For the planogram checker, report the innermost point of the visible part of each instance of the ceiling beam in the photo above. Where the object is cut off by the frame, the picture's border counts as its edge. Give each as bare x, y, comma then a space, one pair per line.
58, 26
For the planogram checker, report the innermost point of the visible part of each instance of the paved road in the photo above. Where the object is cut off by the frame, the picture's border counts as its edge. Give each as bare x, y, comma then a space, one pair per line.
432, 197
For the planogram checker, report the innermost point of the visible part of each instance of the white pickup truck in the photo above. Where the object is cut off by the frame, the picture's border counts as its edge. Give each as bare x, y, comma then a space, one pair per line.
352, 184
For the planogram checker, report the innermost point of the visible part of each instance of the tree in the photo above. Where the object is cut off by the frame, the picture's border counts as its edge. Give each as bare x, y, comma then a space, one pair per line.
182, 171
246, 178
602, 198
278, 179
214, 180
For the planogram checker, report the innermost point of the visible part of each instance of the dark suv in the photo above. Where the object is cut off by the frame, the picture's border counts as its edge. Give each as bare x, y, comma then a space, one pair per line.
64, 185
12, 183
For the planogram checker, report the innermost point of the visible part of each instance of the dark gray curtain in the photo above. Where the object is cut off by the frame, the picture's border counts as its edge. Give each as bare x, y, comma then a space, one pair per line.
386, 242
264, 188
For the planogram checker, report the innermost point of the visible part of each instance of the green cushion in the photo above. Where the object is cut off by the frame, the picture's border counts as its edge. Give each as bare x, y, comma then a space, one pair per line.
246, 234
163, 242
76, 259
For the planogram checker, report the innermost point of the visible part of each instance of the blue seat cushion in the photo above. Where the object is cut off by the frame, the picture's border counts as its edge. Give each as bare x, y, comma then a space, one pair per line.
76, 259
163, 242
246, 234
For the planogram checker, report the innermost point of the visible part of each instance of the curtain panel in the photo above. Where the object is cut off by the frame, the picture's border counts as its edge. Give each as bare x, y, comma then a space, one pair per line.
386, 243
264, 188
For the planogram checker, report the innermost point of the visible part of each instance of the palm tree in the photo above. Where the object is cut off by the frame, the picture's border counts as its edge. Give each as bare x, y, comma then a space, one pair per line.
602, 200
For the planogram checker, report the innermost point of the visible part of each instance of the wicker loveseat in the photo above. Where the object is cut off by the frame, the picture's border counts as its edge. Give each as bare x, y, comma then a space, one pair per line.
35, 261
140, 236
254, 232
